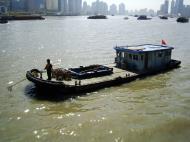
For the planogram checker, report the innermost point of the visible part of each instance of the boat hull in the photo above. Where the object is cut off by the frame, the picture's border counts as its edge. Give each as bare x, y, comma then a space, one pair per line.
45, 85
56, 86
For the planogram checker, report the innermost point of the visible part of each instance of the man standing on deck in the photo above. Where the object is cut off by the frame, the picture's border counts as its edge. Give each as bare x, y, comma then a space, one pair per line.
49, 69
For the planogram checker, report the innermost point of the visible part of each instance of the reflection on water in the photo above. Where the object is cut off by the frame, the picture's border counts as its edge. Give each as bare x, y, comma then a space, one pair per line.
154, 109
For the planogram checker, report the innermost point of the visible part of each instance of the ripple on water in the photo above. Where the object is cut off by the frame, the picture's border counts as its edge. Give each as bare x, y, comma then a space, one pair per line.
26, 111
41, 107
64, 131
18, 118
10, 82
3, 51
40, 133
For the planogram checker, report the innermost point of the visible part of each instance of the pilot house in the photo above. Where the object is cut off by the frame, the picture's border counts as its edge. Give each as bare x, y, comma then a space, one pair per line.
142, 58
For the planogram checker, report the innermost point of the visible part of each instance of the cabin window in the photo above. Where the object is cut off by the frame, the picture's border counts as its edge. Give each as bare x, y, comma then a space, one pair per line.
135, 57
130, 56
122, 54
160, 54
142, 57
168, 53
117, 54
125, 55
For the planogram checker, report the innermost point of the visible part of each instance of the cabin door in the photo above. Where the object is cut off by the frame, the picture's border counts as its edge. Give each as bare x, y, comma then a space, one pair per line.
146, 61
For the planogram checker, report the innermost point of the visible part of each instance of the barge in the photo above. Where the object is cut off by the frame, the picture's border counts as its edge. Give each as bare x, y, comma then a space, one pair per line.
143, 17
163, 17
182, 20
131, 63
97, 17
22, 17
3, 20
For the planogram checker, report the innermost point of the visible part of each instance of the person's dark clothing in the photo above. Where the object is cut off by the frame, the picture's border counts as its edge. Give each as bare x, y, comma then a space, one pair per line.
49, 70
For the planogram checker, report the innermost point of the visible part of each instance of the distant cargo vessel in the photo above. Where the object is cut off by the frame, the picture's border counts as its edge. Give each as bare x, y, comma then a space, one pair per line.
131, 62
97, 17
182, 20
143, 17
163, 17
22, 17
3, 20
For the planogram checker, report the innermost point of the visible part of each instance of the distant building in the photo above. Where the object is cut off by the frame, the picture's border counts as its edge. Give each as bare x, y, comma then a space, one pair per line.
113, 9
151, 12
35, 5
74, 7
5, 4
3, 7
172, 7
52, 5
84, 8
2, 3
71, 7
99, 7
178, 9
145, 11
186, 11
179, 6
3, 10
63, 6
164, 8
95, 7
103, 8
122, 9
78, 7
18, 5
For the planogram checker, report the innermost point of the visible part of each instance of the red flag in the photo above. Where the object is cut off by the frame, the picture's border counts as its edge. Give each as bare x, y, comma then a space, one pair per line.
163, 42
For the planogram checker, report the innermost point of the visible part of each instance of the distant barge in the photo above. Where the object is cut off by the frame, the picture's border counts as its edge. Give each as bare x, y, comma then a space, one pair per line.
23, 17
143, 17
131, 63
97, 17
163, 17
182, 20
3, 21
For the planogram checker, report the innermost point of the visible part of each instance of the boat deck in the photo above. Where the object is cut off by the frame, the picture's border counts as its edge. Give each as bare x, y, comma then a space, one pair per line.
116, 73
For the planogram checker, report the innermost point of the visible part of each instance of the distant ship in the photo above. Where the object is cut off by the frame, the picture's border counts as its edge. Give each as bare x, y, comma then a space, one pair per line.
126, 18
182, 20
22, 17
3, 20
163, 17
143, 17
97, 17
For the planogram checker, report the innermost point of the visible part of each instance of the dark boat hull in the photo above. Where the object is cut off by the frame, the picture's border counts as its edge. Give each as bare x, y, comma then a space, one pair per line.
46, 85
182, 20
56, 86
164, 17
97, 17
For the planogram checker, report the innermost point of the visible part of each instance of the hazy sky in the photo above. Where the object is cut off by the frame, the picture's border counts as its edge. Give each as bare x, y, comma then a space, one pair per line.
137, 4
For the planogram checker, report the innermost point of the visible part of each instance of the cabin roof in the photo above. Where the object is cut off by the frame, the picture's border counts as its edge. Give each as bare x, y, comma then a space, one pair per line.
143, 48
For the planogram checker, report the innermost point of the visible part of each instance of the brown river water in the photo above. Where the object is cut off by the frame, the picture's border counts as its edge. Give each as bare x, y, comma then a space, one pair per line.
154, 109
